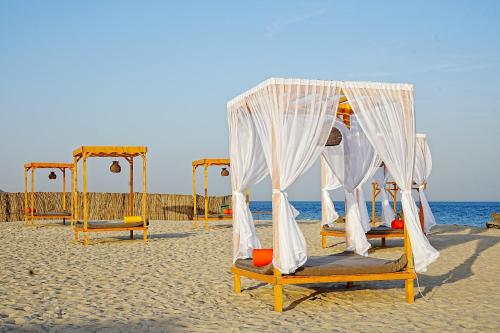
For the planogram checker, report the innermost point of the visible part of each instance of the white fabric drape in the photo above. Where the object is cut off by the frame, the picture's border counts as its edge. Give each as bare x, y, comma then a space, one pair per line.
295, 116
381, 177
386, 114
331, 183
423, 168
248, 167
352, 163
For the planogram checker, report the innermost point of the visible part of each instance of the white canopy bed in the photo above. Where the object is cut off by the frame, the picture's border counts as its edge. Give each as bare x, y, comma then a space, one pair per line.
279, 128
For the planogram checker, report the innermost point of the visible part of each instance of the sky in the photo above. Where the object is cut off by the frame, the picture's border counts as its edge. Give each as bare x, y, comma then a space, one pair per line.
160, 73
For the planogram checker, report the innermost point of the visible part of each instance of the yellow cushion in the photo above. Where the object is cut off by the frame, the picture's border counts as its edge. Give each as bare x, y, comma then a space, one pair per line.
132, 219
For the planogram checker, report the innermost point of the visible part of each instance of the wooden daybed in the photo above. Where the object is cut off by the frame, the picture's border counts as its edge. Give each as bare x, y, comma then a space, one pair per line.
342, 267
30, 212
207, 216
128, 153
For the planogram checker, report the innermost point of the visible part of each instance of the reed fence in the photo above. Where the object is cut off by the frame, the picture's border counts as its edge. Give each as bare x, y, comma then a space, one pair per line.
111, 206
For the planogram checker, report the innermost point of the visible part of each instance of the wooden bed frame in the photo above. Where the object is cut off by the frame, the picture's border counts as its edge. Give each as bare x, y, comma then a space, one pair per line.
206, 216
278, 280
29, 205
344, 114
126, 152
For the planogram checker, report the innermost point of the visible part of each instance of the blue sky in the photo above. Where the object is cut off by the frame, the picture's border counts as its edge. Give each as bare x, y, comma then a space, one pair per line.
160, 74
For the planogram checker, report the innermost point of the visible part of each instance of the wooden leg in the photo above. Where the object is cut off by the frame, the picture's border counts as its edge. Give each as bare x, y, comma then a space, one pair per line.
410, 293
131, 234
76, 235
85, 238
323, 241
64, 221
145, 235
349, 284
206, 224
237, 283
278, 298
383, 241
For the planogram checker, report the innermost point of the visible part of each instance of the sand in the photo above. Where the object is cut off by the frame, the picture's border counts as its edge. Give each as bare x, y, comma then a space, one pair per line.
180, 281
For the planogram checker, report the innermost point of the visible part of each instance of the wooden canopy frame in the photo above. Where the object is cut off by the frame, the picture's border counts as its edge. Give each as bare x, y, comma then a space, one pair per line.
278, 280
128, 153
29, 208
206, 216
344, 113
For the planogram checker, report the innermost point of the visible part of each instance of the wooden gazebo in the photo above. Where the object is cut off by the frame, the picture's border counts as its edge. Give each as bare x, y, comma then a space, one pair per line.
207, 216
30, 212
131, 223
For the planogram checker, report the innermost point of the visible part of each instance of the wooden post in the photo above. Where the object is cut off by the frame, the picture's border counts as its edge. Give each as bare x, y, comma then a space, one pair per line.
395, 198
144, 197
323, 185
85, 208
409, 286
26, 196
195, 210
131, 184
72, 209
64, 188
276, 202
75, 189
63, 170
237, 283
33, 195
205, 190
247, 197
421, 212
374, 196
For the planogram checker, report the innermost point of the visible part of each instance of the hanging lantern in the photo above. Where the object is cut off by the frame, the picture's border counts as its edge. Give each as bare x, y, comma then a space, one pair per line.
115, 167
224, 172
52, 175
335, 138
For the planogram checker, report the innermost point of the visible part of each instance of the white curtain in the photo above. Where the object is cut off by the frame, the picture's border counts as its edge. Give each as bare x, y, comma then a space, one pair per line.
423, 168
248, 167
386, 114
352, 168
296, 116
381, 177
331, 183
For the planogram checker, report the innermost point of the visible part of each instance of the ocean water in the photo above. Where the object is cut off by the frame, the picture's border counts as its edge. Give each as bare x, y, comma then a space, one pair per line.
474, 214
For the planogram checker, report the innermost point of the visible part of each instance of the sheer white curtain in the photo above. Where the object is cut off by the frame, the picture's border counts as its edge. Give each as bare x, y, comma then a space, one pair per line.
248, 167
352, 169
423, 168
295, 116
381, 177
331, 183
386, 114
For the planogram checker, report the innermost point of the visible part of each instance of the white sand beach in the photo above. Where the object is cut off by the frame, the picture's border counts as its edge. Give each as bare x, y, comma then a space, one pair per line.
180, 281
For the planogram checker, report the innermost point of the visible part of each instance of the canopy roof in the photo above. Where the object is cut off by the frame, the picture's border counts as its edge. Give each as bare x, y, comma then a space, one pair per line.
211, 161
314, 84
48, 165
109, 151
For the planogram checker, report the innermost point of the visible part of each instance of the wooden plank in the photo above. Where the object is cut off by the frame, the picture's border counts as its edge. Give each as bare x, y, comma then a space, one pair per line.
211, 161
109, 151
48, 165
294, 279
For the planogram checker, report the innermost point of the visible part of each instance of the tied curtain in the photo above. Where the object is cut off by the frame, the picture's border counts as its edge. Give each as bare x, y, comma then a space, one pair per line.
381, 177
330, 183
293, 119
423, 168
353, 168
386, 114
248, 167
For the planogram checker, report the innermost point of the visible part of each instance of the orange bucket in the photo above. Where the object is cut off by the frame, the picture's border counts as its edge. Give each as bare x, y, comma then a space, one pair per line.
262, 257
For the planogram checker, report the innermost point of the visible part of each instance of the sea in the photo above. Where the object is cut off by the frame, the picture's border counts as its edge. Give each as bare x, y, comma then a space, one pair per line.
473, 214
